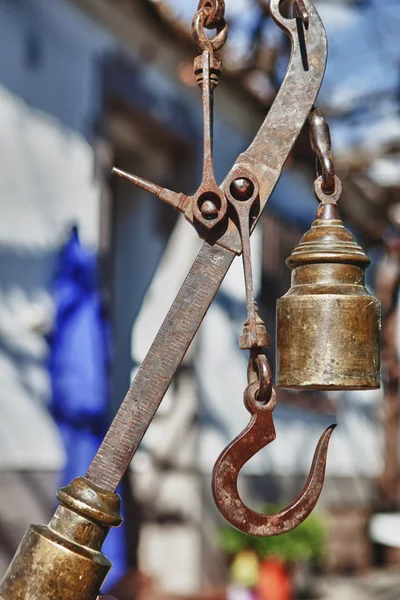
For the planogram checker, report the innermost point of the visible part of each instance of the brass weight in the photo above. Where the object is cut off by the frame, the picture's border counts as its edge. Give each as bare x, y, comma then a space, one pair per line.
63, 561
328, 325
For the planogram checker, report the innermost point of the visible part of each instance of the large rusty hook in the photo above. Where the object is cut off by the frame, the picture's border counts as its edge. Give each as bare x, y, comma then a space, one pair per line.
259, 433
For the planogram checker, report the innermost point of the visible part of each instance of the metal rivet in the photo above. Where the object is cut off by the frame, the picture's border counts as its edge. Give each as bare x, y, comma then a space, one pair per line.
242, 189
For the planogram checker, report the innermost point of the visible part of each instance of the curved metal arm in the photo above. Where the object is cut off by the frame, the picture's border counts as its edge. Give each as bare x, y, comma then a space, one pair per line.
259, 433
267, 154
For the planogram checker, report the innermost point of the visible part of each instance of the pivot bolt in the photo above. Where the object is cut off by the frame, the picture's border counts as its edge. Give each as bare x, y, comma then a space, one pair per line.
242, 189
208, 210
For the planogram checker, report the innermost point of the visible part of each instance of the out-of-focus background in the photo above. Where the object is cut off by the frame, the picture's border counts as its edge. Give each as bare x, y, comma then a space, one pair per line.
89, 266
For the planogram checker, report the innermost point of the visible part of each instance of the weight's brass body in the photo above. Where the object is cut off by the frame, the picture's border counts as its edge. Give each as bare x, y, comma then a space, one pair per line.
328, 323
64, 559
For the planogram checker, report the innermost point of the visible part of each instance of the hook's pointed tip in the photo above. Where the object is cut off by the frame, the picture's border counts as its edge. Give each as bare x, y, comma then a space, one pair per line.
326, 436
321, 451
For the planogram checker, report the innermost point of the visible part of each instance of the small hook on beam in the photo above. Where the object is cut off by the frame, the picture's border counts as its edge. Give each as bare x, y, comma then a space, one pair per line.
300, 12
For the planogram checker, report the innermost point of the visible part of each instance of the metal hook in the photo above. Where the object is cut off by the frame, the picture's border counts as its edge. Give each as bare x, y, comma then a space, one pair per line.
259, 433
321, 144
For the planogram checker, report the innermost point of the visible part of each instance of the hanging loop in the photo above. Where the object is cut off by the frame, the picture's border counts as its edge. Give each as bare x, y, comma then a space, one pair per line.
252, 401
259, 371
259, 433
200, 23
322, 196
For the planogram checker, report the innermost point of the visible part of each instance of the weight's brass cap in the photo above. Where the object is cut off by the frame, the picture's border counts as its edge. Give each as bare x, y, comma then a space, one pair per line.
91, 501
328, 241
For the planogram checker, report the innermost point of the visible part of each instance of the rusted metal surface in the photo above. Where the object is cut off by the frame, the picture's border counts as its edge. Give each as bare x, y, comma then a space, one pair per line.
159, 366
321, 144
72, 566
328, 199
259, 433
262, 164
242, 195
260, 401
214, 11
300, 12
272, 144
209, 204
212, 44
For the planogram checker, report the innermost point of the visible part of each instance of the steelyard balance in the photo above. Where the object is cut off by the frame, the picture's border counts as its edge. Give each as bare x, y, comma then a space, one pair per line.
328, 323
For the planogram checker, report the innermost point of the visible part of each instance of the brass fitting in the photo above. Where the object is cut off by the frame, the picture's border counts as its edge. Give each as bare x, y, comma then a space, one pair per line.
328, 325
63, 561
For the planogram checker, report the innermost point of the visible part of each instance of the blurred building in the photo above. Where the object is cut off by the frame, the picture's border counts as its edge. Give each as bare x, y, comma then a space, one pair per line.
83, 88
85, 85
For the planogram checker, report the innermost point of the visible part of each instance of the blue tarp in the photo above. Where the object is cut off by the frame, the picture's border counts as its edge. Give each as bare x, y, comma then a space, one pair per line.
79, 368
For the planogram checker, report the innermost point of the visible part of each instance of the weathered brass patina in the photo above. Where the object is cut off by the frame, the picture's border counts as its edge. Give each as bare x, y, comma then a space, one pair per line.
64, 559
328, 323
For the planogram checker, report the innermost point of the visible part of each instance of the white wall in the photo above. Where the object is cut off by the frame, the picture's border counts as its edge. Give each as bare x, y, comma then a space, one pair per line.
47, 182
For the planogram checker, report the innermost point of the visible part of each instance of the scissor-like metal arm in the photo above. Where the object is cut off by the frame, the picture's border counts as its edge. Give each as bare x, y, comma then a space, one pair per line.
265, 159
274, 141
63, 561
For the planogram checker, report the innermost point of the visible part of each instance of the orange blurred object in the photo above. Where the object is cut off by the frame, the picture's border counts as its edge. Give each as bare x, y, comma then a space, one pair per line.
274, 581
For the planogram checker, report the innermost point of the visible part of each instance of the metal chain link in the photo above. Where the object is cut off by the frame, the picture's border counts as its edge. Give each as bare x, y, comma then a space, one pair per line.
214, 11
321, 144
210, 15
259, 372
